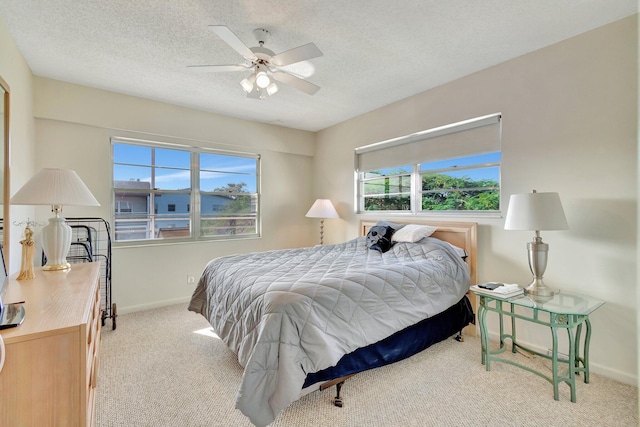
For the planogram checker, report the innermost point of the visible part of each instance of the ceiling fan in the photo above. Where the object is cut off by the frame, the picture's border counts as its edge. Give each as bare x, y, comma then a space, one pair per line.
265, 64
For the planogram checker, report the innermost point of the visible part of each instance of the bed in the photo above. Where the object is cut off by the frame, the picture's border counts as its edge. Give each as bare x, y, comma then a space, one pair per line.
299, 319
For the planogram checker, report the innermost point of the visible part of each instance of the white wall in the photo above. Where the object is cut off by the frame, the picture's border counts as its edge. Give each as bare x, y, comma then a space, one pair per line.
15, 71
570, 126
74, 125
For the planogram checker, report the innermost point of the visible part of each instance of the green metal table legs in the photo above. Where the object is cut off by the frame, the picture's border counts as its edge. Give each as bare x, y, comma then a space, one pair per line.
571, 363
573, 325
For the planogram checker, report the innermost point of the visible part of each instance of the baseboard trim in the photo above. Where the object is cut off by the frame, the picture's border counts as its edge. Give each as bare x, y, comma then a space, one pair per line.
156, 304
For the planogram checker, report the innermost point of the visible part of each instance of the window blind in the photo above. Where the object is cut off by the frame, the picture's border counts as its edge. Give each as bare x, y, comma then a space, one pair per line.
465, 138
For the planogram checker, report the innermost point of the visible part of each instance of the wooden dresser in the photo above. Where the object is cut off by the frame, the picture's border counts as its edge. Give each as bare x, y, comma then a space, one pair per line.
51, 364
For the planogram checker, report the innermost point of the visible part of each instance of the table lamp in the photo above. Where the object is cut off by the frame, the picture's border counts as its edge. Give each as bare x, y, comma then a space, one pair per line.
536, 211
55, 187
322, 208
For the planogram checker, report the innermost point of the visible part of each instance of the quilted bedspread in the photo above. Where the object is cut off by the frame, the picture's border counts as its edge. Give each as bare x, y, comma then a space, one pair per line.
287, 313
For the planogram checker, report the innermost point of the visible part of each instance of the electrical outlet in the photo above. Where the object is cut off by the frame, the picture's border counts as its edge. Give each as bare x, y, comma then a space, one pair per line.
191, 279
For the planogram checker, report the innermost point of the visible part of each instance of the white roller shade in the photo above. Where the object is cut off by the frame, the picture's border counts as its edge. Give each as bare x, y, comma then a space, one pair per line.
469, 137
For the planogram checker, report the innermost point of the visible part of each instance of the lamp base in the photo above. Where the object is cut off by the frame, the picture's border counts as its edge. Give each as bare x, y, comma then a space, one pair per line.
538, 264
56, 241
57, 267
538, 288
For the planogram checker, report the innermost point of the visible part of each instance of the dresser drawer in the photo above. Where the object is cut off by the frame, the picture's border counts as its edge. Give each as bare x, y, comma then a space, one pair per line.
92, 361
94, 335
52, 358
95, 318
92, 379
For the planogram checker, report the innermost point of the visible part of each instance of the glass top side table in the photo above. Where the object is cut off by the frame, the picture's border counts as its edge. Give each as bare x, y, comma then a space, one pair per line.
565, 310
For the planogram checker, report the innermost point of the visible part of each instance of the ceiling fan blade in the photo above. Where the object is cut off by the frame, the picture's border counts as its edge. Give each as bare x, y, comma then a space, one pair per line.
232, 40
297, 54
296, 82
216, 68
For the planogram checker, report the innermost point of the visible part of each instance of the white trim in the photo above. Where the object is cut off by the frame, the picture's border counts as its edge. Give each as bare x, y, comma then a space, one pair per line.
156, 304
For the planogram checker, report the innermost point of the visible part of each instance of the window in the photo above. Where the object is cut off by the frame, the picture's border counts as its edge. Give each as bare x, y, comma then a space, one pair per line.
469, 183
123, 207
229, 195
452, 168
155, 186
387, 189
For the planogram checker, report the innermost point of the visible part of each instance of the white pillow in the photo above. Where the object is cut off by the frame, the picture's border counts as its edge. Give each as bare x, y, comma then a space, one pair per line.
412, 233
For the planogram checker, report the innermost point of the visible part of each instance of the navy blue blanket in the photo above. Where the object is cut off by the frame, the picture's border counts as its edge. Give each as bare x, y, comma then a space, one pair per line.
400, 345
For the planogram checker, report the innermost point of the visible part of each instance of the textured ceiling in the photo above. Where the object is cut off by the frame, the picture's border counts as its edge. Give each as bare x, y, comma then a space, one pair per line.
375, 51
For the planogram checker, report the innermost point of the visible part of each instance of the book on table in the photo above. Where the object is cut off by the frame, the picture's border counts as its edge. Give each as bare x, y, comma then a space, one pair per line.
500, 290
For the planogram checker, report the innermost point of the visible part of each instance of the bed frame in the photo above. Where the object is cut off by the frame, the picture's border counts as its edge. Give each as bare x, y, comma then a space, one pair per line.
461, 234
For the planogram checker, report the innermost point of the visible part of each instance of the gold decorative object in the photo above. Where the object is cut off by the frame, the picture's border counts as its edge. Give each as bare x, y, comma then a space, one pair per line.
28, 249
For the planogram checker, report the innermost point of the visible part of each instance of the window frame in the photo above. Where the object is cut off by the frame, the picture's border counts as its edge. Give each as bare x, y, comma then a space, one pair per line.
363, 181
416, 192
193, 210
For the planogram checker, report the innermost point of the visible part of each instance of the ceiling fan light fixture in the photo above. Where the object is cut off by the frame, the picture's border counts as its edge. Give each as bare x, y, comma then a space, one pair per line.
247, 84
272, 89
262, 78
285, 67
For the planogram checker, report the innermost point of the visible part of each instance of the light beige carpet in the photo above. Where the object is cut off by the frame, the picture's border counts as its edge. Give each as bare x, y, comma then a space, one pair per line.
157, 370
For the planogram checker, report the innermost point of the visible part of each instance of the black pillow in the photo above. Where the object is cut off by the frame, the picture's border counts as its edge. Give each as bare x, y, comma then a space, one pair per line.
379, 238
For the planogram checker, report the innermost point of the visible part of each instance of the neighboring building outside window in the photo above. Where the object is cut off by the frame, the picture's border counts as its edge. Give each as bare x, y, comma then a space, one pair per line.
154, 188
453, 168
122, 206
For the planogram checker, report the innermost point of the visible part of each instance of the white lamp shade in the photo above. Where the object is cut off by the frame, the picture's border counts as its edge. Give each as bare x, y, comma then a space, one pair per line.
322, 208
55, 187
535, 211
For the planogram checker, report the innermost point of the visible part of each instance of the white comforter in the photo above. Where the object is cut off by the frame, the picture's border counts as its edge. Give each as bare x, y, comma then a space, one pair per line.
291, 312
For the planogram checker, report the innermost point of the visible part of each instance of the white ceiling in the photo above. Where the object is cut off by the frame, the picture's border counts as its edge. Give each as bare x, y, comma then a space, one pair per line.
375, 51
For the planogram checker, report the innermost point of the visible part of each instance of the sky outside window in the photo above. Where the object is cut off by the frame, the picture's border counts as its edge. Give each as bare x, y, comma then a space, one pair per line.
491, 173
172, 168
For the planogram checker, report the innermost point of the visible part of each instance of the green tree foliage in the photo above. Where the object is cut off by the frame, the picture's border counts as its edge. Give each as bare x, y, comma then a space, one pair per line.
395, 203
443, 192
240, 204
232, 188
